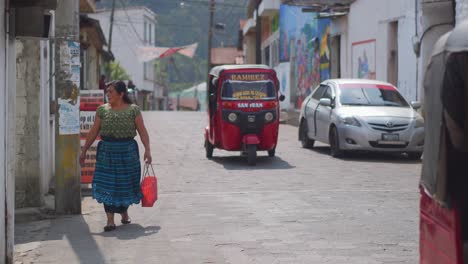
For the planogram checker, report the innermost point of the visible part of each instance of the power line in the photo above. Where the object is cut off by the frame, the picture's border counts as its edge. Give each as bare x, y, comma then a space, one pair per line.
131, 22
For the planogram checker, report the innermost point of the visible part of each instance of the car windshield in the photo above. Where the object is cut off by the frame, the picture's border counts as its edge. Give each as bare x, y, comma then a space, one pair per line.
371, 95
241, 90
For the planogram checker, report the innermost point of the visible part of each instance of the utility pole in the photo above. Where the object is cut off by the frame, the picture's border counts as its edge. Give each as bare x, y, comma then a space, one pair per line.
110, 36
210, 37
258, 36
67, 118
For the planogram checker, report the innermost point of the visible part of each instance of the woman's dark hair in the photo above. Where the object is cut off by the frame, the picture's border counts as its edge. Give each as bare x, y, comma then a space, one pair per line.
120, 87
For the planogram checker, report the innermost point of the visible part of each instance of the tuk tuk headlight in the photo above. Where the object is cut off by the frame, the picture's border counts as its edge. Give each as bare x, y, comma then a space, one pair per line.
269, 116
232, 117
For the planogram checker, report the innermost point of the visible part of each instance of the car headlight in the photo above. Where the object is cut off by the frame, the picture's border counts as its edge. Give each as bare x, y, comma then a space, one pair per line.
269, 117
351, 121
419, 123
232, 117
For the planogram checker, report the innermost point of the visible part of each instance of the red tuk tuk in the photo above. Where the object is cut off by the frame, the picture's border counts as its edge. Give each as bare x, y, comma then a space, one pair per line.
243, 110
444, 183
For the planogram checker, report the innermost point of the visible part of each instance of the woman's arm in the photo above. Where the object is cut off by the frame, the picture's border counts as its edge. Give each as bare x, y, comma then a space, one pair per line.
92, 134
144, 137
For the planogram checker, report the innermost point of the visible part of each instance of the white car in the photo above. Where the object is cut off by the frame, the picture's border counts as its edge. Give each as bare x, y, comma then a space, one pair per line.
357, 114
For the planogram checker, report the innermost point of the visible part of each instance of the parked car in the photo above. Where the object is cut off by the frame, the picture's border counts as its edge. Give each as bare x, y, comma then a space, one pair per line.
361, 115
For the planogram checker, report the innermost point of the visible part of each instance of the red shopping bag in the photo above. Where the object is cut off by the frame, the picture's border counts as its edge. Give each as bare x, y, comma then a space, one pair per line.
149, 187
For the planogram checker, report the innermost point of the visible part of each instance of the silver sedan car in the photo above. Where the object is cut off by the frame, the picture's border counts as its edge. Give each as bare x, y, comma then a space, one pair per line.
361, 115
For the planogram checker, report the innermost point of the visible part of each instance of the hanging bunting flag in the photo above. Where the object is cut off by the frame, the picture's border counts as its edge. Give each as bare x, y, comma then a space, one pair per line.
148, 53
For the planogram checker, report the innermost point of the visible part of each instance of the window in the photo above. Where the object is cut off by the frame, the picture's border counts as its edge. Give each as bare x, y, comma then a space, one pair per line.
150, 33
318, 92
327, 93
144, 32
371, 95
240, 90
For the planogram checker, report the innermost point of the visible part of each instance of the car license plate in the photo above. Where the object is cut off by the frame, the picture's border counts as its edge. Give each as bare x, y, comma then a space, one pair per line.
390, 137
251, 118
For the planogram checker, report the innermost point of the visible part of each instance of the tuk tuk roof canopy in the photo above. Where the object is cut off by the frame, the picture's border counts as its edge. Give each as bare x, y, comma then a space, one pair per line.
457, 40
218, 69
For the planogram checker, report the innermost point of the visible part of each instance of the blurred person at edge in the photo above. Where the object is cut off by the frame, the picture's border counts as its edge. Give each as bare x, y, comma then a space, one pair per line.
102, 82
117, 157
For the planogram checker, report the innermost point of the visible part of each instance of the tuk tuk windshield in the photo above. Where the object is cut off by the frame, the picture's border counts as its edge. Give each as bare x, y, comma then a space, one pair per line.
245, 90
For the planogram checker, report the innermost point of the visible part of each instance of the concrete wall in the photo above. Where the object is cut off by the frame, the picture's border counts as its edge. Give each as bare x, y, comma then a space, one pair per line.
34, 128
28, 104
7, 140
370, 20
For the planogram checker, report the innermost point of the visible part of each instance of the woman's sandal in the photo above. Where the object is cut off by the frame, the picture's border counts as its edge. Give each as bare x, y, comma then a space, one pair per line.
125, 221
108, 228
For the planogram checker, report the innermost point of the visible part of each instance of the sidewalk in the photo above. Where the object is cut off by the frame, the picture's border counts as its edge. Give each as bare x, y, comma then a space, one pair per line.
290, 117
42, 235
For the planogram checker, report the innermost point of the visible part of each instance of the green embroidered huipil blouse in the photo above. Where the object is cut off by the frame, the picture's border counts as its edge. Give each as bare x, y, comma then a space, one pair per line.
118, 123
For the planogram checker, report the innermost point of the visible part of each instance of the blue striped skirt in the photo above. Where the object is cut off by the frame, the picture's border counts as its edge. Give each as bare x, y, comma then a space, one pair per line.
116, 179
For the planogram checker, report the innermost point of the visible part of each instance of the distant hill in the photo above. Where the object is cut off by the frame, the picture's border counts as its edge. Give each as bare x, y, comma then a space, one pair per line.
186, 22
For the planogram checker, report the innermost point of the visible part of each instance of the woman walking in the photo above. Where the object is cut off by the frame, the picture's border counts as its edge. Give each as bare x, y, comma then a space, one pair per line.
116, 181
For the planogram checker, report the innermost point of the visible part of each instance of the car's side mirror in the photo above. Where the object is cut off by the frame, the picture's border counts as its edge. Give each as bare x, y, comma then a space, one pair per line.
325, 102
281, 98
416, 105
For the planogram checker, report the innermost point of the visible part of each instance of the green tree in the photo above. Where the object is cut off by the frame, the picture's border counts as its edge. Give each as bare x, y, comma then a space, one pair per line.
117, 72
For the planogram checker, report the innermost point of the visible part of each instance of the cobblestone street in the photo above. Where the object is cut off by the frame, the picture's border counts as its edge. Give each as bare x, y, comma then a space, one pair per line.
302, 206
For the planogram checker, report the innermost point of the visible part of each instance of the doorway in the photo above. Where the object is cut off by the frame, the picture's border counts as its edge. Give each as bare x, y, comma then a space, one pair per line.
392, 71
335, 57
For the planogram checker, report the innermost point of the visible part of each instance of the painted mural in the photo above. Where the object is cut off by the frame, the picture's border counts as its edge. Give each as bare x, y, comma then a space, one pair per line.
363, 54
305, 43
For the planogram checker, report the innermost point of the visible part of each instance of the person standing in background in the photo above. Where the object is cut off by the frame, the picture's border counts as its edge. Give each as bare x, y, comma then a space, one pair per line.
102, 82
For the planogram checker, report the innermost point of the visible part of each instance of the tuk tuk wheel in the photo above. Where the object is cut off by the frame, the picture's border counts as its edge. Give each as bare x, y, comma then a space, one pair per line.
251, 155
271, 153
209, 149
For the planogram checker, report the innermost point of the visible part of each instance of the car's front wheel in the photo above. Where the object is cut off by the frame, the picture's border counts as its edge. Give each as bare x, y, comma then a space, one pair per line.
306, 142
335, 150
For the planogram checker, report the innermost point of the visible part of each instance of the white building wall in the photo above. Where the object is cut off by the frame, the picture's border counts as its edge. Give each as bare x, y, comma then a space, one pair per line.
127, 35
369, 20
